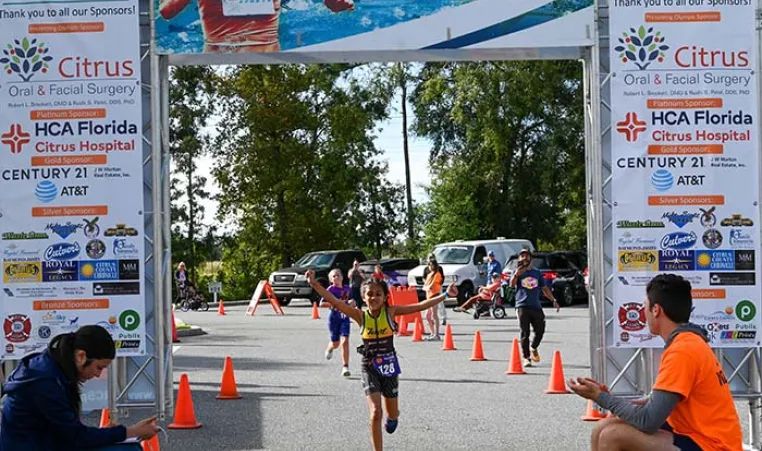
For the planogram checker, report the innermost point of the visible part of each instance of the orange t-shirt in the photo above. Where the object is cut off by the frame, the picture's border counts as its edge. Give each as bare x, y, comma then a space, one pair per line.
706, 413
435, 279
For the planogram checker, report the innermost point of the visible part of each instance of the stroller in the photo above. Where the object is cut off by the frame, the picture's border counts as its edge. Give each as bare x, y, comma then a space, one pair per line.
493, 306
193, 300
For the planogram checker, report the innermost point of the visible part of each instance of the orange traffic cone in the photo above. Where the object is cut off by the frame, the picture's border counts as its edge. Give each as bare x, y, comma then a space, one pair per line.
151, 445
185, 416
557, 384
448, 344
315, 312
418, 330
403, 331
478, 352
221, 309
174, 329
228, 389
592, 414
515, 366
105, 419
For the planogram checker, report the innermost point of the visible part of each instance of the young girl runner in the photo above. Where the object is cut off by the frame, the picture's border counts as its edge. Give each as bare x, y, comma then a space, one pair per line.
380, 368
338, 322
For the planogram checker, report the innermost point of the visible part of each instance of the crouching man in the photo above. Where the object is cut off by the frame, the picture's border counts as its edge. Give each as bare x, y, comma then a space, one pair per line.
690, 407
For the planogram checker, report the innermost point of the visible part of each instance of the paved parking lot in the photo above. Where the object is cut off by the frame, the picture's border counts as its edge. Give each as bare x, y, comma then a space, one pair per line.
293, 399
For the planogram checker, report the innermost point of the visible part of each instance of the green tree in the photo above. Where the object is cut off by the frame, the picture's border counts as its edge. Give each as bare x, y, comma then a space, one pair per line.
508, 154
190, 110
297, 166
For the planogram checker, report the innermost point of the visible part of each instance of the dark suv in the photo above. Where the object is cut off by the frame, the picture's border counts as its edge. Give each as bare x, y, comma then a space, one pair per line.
290, 283
395, 268
561, 273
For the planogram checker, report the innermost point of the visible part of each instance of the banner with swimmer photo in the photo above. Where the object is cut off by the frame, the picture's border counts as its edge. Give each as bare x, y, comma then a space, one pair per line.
304, 26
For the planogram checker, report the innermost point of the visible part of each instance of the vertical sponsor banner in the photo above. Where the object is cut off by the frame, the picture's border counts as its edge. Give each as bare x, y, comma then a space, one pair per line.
685, 153
71, 231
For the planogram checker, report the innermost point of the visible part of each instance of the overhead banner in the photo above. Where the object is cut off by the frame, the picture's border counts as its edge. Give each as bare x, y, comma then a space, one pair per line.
685, 159
305, 26
71, 203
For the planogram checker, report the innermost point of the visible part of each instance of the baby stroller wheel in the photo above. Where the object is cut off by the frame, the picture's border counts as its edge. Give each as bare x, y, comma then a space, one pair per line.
476, 313
185, 306
204, 306
498, 312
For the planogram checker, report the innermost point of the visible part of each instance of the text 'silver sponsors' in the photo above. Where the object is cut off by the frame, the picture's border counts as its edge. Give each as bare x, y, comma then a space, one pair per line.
685, 157
71, 233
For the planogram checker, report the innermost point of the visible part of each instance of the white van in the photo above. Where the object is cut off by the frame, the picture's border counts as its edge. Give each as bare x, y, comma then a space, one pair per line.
465, 263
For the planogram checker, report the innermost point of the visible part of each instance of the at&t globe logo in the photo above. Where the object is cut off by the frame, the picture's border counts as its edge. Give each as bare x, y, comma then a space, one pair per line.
662, 180
46, 191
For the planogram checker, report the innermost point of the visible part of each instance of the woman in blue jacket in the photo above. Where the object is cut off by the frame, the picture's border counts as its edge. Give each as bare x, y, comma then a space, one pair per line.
42, 407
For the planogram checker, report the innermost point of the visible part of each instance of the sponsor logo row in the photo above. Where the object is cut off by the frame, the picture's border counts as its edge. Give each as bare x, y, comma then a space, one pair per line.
686, 260
23, 334
709, 239
66, 251
70, 271
733, 323
705, 217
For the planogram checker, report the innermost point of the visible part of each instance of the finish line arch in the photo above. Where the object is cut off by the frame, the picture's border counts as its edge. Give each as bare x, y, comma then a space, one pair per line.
668, 40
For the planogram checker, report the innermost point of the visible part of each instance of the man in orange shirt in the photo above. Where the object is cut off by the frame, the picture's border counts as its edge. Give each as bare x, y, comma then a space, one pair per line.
235, 26
691, 391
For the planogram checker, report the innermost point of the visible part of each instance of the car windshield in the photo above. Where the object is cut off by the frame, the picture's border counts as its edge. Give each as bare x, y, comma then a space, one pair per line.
367, 269
316, 260
458, 255
537, 263
302, 261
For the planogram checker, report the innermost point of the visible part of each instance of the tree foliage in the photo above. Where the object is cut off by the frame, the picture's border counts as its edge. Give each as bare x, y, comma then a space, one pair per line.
508, 154
297, 167
191, 108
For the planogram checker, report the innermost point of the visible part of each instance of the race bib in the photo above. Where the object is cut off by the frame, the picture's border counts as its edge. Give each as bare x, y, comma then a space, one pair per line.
232, 8
387, 365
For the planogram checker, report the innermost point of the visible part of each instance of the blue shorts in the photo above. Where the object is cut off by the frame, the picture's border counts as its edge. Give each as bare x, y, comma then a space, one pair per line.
338, 325
683, 442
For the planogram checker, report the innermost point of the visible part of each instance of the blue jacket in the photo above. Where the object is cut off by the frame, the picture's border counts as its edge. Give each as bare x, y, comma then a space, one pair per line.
37, 415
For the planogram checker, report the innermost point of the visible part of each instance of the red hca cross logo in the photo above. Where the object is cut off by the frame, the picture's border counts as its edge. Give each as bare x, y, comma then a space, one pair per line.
15, 138
631, 126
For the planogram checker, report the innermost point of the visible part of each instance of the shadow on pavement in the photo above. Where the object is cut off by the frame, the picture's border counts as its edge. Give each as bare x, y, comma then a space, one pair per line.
453, 381
194, 363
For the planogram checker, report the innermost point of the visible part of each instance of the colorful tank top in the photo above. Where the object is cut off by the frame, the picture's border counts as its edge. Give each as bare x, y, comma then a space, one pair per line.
377, 334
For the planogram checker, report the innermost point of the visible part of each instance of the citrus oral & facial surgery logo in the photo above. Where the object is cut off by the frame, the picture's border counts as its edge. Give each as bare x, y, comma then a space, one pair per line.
25, 58
641, 47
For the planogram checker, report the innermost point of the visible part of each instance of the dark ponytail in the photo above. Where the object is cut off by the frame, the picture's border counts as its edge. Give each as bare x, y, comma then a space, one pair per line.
97, 344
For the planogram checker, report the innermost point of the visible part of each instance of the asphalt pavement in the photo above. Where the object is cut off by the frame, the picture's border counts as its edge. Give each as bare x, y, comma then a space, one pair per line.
293, 399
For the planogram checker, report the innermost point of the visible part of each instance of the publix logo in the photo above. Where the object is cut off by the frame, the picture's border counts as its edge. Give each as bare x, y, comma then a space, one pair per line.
679, 240
62, 251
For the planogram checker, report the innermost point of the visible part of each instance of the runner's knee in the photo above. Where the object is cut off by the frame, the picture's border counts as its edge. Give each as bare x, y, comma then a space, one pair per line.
376, 413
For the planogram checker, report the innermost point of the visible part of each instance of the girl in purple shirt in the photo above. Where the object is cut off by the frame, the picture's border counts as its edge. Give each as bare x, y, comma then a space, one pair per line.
338, 323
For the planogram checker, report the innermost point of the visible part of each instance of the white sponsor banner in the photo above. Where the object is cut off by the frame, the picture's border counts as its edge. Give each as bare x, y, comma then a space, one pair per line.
71, 229
685, 159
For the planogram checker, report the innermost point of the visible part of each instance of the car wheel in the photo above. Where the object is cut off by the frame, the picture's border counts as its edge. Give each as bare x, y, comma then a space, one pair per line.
567, 297
284, 301
465, 292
